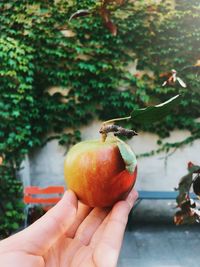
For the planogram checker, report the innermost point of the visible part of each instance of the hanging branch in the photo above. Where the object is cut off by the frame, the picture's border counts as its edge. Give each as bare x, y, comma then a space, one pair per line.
147, 115
103, 10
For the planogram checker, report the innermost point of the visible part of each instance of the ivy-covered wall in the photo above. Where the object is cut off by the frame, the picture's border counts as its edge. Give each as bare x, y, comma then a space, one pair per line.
90, 65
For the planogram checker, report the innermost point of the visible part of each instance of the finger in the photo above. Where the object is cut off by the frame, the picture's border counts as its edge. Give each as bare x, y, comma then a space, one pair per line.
91, 223
82, 213
111, 240
41, 235
99, 233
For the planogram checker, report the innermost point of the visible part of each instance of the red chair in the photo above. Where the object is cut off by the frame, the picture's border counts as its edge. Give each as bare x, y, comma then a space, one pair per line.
45, 198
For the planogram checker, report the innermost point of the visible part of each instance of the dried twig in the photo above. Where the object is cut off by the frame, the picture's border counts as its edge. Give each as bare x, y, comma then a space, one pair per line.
117, 130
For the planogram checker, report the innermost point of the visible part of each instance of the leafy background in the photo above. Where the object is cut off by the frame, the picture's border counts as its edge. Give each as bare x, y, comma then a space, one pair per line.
40, 49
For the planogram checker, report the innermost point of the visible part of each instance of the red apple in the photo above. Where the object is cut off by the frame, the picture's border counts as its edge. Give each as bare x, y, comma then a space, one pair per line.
100, 173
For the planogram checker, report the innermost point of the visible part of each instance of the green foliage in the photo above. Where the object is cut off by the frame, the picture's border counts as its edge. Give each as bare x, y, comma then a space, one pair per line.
11, 206
40, 49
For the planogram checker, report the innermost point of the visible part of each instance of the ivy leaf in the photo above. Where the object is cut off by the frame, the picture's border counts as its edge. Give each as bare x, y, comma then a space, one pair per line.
80, 13
128, 156
154, 113
15, 226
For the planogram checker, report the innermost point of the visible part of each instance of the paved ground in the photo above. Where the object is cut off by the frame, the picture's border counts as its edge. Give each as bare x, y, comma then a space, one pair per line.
152, 239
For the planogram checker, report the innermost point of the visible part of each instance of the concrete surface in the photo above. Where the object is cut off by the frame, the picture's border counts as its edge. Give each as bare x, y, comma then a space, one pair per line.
152, 240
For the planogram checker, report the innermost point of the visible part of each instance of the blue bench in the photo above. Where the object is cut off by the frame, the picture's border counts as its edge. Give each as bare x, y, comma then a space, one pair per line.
160, 195
155, 195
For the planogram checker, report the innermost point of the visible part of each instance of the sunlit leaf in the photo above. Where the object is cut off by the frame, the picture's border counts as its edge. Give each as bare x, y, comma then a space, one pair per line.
80, 13
128, 156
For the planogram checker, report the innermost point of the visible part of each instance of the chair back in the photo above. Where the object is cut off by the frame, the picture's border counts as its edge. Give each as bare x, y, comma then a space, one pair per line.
43, 196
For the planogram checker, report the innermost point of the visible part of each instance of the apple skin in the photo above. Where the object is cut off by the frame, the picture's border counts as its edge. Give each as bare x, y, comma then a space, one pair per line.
97, 173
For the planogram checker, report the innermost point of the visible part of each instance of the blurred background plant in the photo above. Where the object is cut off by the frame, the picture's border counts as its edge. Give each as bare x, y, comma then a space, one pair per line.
102, 65
188, 208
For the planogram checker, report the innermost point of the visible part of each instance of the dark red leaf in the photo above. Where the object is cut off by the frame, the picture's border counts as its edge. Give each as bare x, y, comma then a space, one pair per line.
111, 27
192, 168
189, 217
105, 14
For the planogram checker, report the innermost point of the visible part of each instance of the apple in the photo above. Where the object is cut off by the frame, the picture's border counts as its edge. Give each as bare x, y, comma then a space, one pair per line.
100, 173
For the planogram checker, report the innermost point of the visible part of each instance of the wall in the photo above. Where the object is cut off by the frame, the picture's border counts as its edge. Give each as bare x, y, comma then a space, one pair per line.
45, 166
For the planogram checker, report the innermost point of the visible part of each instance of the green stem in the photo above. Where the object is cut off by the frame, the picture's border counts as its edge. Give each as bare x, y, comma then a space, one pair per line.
117, 119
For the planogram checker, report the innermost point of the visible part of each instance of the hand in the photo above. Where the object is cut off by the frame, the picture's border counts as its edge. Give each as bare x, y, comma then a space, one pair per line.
70, 235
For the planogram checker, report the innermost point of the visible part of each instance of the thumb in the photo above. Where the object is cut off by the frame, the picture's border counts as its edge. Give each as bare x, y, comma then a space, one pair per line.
41, 235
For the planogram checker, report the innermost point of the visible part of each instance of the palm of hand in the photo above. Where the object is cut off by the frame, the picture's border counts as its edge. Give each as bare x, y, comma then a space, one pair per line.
70, 235
82, 244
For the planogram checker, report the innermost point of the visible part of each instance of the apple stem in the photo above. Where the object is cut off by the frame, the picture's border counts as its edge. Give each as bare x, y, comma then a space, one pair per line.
103, 137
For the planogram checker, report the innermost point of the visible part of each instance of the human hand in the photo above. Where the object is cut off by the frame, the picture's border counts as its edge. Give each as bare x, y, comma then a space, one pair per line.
70, 235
